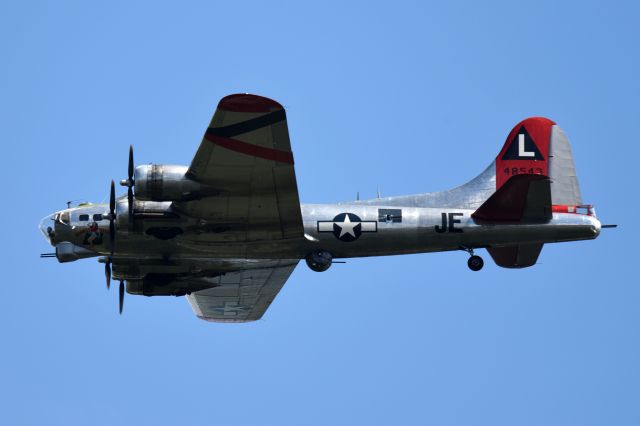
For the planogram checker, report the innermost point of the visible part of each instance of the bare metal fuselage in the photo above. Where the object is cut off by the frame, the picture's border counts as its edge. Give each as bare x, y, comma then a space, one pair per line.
422, 230
412, 230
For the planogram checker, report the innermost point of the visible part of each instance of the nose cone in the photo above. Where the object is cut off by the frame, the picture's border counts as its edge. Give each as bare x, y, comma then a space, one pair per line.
47, 227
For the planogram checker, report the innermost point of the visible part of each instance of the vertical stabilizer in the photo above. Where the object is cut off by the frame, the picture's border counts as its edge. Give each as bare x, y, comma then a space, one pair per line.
562, 171
538, 146
526, 150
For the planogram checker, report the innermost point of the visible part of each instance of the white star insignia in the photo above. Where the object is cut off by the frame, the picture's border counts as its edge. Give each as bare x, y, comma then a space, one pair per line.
347, 226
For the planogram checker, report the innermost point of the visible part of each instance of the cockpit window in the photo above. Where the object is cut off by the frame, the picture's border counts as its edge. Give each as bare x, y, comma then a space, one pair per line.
97, 217
46, 227
83, 217
64, 218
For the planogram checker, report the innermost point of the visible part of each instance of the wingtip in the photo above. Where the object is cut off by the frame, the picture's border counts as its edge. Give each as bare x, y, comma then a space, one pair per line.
245, 102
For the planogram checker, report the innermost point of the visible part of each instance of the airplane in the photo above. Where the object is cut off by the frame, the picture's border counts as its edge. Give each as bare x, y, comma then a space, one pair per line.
228, 230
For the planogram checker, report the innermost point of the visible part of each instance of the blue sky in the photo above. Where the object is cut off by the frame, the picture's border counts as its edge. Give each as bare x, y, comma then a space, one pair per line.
410, 97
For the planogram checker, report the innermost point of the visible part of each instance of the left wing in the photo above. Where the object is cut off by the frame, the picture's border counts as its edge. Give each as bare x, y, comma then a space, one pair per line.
245, 155
241, 296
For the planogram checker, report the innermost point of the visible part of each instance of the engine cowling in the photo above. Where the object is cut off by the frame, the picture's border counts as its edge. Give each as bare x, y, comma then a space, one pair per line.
164, 182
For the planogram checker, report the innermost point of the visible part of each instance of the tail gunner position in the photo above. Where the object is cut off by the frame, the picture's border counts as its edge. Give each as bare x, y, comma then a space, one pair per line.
228, 230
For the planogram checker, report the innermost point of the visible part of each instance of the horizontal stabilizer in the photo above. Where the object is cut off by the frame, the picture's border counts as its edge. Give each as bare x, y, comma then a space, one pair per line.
523, 198
516, 256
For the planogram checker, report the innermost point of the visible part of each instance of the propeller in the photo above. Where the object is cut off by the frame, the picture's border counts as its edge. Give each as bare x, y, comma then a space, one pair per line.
112, 217
107, 272
121, 296
130, 183
112, 234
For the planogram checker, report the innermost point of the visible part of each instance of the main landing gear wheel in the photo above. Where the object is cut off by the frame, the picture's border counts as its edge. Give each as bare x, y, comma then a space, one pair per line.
475, 263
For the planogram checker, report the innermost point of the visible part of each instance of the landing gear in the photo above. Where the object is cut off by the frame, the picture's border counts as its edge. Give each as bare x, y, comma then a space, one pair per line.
475, 263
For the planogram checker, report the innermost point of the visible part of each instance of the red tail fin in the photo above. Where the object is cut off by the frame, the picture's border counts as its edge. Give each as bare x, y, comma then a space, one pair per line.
526, 150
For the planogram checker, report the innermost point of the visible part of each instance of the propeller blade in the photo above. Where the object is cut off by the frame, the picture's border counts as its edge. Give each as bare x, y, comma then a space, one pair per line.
121, 296
112, 217
131, 165
112, 198
107, 273
130, 184
130, 200
112, 236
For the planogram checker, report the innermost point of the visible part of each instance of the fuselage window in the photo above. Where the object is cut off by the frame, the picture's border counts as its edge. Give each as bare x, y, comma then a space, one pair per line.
97, 217
83, 217
582, 210
390, 215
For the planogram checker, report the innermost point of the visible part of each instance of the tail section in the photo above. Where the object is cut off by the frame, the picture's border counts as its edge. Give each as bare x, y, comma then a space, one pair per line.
538, 146
535, 146
534, 171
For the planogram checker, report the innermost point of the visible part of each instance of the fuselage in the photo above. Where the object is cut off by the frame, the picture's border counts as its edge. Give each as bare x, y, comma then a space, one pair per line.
345, 230
386, 230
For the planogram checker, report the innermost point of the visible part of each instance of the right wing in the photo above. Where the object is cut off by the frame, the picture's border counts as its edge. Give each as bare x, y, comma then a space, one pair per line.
241, 296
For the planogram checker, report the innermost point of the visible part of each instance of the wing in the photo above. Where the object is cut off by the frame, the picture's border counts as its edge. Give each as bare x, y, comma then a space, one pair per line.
246, 156
241, 296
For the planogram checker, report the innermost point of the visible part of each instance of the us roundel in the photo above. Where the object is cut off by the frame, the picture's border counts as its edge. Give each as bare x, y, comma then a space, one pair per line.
522, 147
347, 227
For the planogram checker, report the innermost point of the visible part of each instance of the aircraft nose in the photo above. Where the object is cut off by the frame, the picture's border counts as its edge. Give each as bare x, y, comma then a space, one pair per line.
47, 228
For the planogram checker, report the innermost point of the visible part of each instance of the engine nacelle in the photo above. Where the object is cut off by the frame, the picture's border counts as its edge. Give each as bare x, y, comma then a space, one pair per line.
164, 182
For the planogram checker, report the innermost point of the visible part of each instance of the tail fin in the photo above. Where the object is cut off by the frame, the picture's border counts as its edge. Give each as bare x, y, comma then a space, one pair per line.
537, 145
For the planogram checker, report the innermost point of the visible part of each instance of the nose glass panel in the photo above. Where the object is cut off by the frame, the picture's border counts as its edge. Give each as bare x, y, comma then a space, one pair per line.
47, 227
